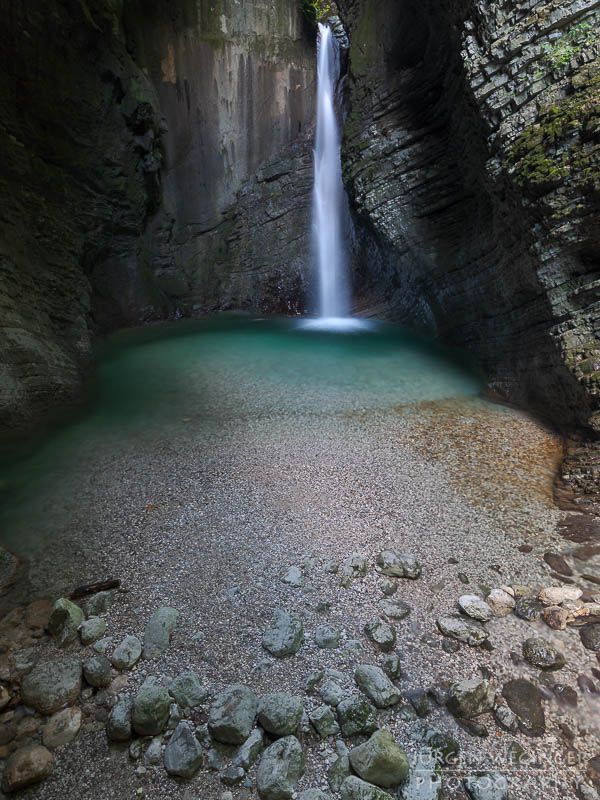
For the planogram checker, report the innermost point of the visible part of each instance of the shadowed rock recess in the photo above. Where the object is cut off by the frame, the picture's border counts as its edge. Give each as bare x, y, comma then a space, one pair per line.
471, 157
154, 165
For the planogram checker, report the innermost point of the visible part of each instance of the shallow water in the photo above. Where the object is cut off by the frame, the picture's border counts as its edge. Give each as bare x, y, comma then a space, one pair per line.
173, 379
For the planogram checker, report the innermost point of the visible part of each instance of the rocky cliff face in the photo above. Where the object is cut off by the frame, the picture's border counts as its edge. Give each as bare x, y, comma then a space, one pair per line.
156, 162
472, 155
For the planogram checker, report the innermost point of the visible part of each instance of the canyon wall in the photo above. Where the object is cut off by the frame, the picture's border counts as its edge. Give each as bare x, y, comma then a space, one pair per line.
156, 162
472, 157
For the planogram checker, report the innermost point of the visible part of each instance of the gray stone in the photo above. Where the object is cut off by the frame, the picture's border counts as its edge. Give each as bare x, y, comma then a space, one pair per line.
354, 567
471, 698
324, 721
175, 717
380, 760
475, 607
486, 786
462, 629
203, 735
525, 700
280, 713
128, 653
419, 700
65, 619
232, 776
505, 718
441, 745
118, 725
397, 565
381, 633
293, 577
501, 602
187, 690
99, 603
151, 707
232, 715
590, 637
356, 715
331, 693
313, 794
421, 785
183, 754
392, 666
586, 792
51, 685
91, 630
23, 661
280, 769
376, 685
102, 645
394, 609
354, 788
327, 637
389, 587
313, 680
96, 671
153, 754
285, 636
338, 772
62, 727
249, 751
541, 654
26, 766
528, 608
159, 628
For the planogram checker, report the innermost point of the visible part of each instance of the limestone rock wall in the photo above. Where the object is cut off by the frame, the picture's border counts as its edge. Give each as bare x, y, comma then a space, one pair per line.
472, 156
155, 163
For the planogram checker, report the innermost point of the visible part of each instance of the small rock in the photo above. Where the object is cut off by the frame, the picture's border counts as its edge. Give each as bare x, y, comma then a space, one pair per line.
528, 608
540, 653
354, 788
23, 661
397, 565
183, 754
232, 776
65, 619
380, 760
392, 666
501, 602
525, 700
590, 637
331, 693
128, 653
331, 567
473, 727
355, 567
188, 691
338, 772
585, 792
327, 637
441, 745
389, 587
280, 713
381, 633
505, 718
102, 645
52, 685
556, 617
462, 629
557, 562
421, 785
159, 628
356, 716
475, 607
91, 630
376, 685
471, 698
285, 636
232, 715
151, 707
249, 751
486, 786
555, 595
26, 766
280, 769
153, 753
293, 577
118, 725
324, 721
419, 701
96, 671
313, 680
99, 603
313, 794
395, 609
